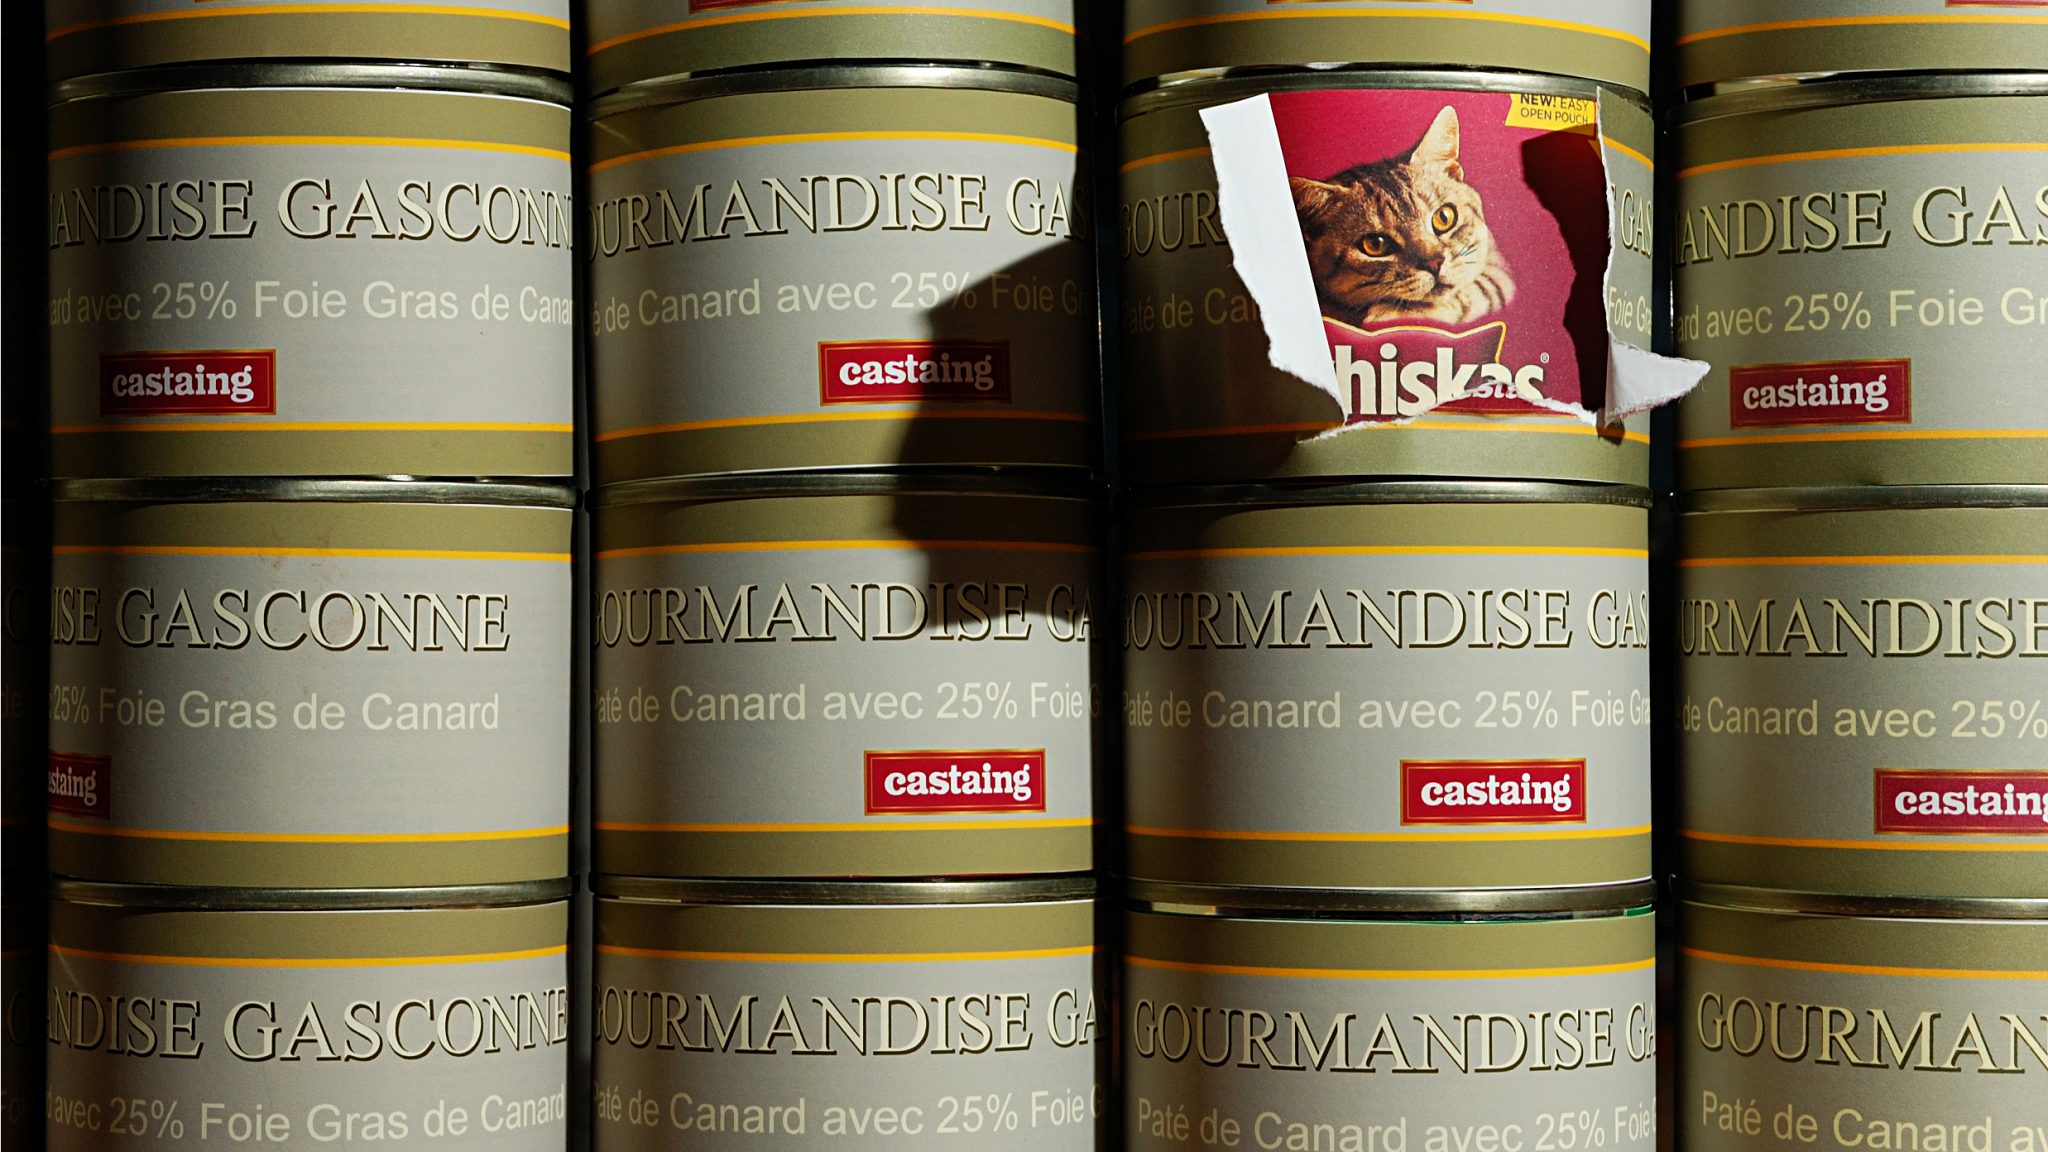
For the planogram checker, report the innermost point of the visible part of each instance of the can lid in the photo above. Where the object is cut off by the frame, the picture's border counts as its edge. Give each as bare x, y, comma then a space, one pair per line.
1218, 85
750, 486
1795, 93
461, 79
1238, 902
309, 899
667, 90
238, 490
1867, 499
1875, 907
1394, 492
659, 890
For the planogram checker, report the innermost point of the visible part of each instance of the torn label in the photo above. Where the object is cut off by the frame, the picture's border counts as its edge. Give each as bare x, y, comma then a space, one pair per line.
1637, 379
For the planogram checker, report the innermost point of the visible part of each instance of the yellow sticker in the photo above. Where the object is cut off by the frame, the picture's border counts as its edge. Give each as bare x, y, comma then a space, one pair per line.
1556, 113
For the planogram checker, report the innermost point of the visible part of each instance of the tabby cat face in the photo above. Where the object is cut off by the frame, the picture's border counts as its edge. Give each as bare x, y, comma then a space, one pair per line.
1405, 236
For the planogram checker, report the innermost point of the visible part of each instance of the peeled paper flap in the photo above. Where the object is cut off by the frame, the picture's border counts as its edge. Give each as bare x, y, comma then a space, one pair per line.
1271, 258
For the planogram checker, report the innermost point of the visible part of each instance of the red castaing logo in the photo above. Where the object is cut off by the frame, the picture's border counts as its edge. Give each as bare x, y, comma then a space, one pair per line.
947, 781
894, 371
1826, 392
81, 785
1493, 791
217, 381
1923, 801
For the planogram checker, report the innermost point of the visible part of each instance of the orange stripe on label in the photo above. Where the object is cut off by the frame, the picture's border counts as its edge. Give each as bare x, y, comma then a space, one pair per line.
258, 424
314, 10
1162, 158
1862, 969
1395, 550
830, 137
918, 826
1563, 424
1384, 837
309, 961
1390, 973
850, 546
308, 142
1401, 13
1629, 152
268, 551
1853, 21
846, 957
828, 417
1860, 153
1848, 561
1847, 437
1857, 845
58, 824
850, 10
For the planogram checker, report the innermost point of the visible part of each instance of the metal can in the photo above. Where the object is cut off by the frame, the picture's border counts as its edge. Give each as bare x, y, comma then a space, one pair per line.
311, 270
753, 717
22, 936
841, 267
1606, 40
1400, 686
187, 1018
1529, 1023
1837, 1024
1723, 40
1859, 712
1202, 403
632, 41
310, 684
775, 1015
1839, 355
90, 36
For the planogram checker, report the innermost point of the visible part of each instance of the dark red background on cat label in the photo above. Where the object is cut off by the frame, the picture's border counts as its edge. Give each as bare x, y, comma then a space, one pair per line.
1544, 194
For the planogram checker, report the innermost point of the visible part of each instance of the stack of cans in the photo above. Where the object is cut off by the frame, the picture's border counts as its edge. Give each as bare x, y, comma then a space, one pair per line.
846, 539
1863, 700
311, 423
1386, 711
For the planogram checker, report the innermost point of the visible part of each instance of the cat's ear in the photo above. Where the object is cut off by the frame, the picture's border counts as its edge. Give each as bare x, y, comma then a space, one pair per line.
1439, 145
1313, 199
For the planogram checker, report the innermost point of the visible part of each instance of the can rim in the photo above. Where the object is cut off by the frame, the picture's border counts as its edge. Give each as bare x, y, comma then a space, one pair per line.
243, 899
792, 893
1835, 89
1240, 902
455, 79
254, 490
1192, 88
1742, 898
1866, 499
690, 87
1273, 494
753, 486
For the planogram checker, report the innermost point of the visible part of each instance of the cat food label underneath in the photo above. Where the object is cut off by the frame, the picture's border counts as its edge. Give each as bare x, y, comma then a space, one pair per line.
1329, 1034
1866, 280
1864, 700
316, 281
791, 280
1459, 243
1735, 39
1441, 695
309, 695
1844, 1034
440, 1028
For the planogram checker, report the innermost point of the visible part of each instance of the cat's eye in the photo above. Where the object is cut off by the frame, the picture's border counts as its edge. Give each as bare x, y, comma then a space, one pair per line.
1445, 219
1377, 244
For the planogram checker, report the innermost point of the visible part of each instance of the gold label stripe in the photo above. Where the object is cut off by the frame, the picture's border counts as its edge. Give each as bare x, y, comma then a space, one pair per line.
315, 10
849, 546
846, 957
267, 551
310, 426
308, 961
1162, 158
1848, 561
860, 10
829, 137
828, 417
1861, 845
1862, 969
1846, 437
306, 142
1394, 550
921, 826
1629, 152
1385, 837
58, 824
1564, 424
1399, 13
1390, 973
1852, 21
1859, 153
